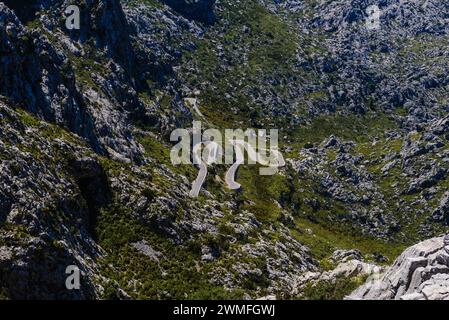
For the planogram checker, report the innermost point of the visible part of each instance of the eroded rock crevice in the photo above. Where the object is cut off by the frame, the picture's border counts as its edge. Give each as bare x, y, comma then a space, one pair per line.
94, 187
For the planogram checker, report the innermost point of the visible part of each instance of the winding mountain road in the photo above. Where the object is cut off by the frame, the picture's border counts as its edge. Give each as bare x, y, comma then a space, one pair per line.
240, 146
211, 157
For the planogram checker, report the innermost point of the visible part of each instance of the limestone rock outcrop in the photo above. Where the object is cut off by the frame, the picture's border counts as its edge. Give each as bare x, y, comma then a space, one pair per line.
420, 273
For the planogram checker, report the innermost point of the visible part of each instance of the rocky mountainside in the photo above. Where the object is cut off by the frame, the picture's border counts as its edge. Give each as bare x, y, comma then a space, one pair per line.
420, 273
86, 177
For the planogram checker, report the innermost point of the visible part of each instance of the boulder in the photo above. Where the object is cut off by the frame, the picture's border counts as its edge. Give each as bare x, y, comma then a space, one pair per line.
420, 273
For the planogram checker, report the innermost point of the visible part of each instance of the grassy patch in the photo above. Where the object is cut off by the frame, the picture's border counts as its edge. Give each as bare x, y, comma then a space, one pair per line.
160, 152
262, 193
327, 290
324, 240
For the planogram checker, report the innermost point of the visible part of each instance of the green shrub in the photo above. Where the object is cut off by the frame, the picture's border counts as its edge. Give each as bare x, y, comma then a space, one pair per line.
327, 290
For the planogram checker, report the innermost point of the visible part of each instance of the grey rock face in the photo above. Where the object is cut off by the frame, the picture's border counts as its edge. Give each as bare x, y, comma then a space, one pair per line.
36, 72
45, 220
350, 183
147, 250
420, 273
346, 255
350, 265
441, 213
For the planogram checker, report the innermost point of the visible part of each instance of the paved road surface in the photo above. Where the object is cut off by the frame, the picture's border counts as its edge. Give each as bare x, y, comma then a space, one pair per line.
213, 153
